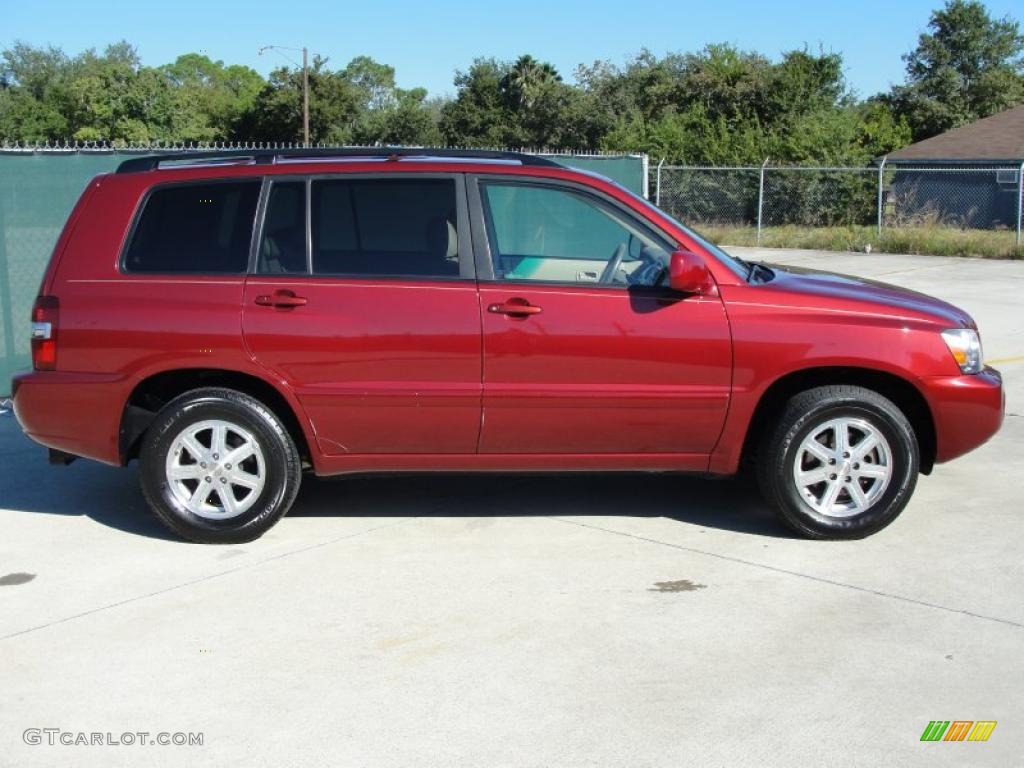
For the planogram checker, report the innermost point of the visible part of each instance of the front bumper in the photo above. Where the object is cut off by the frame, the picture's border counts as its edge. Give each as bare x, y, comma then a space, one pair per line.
968, 410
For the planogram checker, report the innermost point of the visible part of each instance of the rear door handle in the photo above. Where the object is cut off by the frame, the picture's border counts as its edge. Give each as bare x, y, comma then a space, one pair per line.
515, 308
282, 299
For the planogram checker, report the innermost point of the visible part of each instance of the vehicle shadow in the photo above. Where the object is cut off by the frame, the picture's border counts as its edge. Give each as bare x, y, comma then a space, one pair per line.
111, 496
731, 504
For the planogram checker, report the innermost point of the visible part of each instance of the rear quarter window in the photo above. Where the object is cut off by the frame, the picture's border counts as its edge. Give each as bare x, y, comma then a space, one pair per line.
201, 228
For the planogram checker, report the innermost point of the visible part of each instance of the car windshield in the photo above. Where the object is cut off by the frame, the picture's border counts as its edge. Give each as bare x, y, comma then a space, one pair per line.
737, 265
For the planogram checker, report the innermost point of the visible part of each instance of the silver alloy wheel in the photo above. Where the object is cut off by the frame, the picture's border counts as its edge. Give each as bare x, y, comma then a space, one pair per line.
843, 467
216, 469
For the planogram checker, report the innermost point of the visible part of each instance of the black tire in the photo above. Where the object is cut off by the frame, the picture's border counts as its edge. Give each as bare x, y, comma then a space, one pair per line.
805, 412
281, 465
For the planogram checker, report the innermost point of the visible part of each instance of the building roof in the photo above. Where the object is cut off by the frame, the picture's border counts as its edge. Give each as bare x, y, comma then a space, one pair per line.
991, 139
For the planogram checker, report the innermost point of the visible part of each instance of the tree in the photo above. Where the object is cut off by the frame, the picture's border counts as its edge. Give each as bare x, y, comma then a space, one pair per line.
375, 82
276, 114
516, 104
722, 105
408, 119
359, 103
388, 114
528, 80
210, 99
24, 118
31, 85
479, 115
718, 105
967, 66
112, 97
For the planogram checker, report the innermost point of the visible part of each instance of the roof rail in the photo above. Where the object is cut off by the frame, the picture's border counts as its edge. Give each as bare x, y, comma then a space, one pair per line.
267, 156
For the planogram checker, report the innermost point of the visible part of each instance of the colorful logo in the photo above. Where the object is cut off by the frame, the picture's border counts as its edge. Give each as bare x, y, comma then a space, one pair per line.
958, 730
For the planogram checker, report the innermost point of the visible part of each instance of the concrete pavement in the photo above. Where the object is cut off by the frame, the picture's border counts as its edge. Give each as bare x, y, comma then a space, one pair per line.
524, 621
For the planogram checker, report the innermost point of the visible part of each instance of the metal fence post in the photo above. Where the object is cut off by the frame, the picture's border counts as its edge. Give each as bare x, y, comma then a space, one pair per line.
881, 181
657, 184
760, 200
6, 302
1020, 199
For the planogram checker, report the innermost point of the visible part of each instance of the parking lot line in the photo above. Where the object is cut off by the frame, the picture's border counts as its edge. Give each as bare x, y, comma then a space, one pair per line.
1004, 360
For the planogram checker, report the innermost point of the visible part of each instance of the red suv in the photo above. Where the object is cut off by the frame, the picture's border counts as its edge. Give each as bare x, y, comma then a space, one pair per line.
233, 320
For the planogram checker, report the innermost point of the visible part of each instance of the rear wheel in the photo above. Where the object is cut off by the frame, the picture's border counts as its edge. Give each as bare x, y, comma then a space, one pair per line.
218, 467
841, 463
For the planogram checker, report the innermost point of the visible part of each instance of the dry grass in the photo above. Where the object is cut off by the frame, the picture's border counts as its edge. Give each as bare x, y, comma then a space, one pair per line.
934, 240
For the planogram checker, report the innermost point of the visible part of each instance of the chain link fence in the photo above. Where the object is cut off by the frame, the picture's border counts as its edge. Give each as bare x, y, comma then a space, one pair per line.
964, 198
896, 208
765, 198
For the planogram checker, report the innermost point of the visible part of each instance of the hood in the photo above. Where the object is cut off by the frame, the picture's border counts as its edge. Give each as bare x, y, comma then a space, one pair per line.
869, 292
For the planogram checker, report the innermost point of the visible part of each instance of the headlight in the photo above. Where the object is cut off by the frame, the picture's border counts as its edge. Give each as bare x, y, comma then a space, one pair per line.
965, 344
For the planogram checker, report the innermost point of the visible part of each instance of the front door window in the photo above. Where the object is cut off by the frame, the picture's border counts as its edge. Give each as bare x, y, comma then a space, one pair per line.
555, 235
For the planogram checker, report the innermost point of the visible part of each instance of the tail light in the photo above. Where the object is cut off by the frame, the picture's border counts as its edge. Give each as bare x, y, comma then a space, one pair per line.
44, 333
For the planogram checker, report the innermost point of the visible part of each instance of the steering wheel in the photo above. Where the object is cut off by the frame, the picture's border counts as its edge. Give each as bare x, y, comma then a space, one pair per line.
651, 271
612, 268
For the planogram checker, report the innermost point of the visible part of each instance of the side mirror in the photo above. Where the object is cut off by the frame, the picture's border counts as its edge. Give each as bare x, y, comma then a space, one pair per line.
687, 273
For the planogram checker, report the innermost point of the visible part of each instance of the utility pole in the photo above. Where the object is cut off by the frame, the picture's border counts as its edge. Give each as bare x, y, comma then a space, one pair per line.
305, 98
305, 82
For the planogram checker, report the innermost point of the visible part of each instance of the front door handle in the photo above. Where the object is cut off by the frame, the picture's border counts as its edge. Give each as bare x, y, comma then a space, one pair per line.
515, 308
282, 299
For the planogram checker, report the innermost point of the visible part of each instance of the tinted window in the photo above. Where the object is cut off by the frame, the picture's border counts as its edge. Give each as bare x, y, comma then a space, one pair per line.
385, 227
555, 235
283, 244
194, 228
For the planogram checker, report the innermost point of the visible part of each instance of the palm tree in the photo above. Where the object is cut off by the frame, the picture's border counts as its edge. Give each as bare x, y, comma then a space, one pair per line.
528, 78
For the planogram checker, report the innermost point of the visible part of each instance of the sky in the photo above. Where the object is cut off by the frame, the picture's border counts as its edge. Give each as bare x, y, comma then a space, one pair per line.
427, 41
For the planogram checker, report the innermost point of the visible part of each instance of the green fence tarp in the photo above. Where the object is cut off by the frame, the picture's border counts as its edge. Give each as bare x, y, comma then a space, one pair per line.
628, 170
37, 192
39, 189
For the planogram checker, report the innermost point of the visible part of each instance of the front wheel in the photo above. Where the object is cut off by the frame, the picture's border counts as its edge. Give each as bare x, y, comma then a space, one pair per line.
218, 467
841, 463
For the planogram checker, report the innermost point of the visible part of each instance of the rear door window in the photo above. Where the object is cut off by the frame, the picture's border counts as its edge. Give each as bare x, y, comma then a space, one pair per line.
385, 227
202, 228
